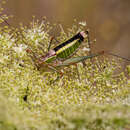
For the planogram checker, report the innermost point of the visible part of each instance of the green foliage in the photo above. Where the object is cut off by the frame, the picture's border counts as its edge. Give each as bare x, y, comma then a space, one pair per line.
30, 100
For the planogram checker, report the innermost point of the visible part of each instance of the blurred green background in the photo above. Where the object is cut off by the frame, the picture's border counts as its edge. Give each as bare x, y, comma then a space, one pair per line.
108, 20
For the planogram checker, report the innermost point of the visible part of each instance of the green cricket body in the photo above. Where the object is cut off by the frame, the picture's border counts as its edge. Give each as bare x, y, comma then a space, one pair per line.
64, 50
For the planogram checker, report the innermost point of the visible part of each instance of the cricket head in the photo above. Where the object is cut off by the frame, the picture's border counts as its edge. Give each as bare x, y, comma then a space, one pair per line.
85, 34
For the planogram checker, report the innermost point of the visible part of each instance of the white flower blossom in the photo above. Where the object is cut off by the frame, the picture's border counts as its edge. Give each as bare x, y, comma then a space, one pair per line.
86, 49
83, 23
20, 49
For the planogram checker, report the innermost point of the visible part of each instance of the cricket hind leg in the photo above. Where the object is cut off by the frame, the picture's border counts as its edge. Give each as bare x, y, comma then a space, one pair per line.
52, 67
112, 54
118, 56
115, 55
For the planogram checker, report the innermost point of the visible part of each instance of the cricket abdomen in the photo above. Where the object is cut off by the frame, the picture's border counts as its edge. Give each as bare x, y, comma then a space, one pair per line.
67, 48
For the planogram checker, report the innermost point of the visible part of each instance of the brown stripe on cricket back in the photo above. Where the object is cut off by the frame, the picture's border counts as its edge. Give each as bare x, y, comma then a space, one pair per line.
68, 48
80, 35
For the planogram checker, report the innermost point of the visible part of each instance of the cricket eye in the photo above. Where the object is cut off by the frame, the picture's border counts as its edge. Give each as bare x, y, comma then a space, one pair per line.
87, 32
84, 34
